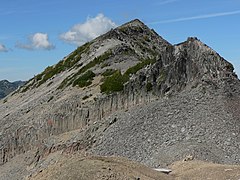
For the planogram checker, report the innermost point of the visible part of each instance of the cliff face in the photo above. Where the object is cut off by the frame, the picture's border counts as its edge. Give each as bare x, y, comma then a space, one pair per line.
70, 95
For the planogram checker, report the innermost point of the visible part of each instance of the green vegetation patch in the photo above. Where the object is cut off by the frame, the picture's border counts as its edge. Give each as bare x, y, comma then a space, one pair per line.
109, 72
94, 62
26, 87
113, 83
149, 86
137, 67
104, 65
85, 79
47, 74
63, 65
76, 55
97, 60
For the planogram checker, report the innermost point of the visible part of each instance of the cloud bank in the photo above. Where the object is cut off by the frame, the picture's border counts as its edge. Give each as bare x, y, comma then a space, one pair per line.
37, 41
204, 16
3, 48
92, 28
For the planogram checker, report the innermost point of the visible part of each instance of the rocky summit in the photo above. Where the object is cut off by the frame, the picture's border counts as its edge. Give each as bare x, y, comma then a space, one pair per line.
127, 93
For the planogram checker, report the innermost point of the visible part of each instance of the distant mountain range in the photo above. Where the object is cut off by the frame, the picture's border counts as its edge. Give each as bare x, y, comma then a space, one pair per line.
7, 87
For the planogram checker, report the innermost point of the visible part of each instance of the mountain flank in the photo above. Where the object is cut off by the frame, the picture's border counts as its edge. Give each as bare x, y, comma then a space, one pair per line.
7, 87
127, 93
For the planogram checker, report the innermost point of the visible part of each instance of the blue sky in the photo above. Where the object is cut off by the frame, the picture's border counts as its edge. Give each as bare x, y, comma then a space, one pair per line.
35, 34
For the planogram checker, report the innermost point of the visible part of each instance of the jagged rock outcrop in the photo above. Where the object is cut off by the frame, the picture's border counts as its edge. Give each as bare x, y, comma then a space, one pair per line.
186, 79
200, 120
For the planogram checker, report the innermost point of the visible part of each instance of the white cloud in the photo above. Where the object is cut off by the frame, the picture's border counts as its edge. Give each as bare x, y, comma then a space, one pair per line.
204, 16
92, 28
3, 48
166, 2
37, 41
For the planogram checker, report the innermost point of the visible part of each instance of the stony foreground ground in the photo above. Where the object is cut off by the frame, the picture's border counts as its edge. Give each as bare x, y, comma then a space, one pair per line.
116, 168
83, 166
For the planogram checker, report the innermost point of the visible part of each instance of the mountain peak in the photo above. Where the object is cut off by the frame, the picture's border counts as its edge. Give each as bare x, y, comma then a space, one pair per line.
196, 41
192, 39
197, 44
135, 22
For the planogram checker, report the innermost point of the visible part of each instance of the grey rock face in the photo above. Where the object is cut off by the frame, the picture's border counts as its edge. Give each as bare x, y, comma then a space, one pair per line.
191, 123
180, 95
201, 120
